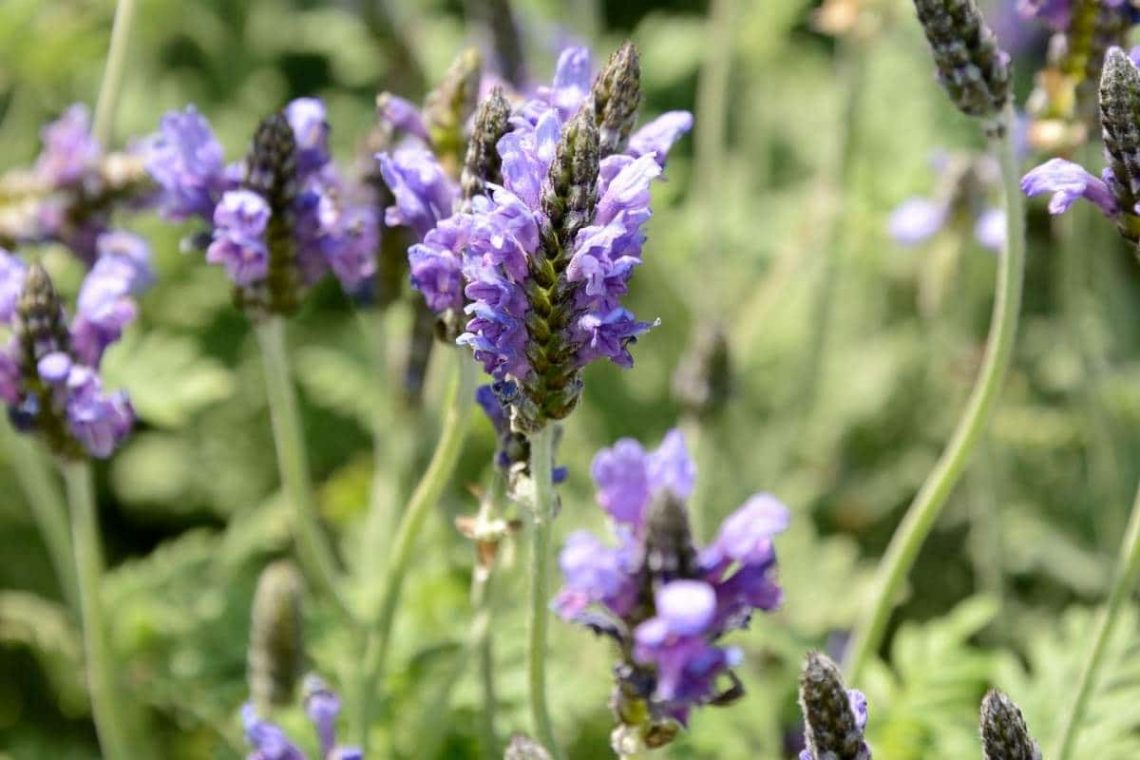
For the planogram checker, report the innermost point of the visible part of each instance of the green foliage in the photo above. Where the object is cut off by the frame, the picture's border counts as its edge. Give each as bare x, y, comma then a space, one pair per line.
748, 234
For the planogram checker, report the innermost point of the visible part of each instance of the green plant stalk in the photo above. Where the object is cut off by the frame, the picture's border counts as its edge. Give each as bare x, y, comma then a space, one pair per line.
108, 102
458, 405
542, 475
482, 630
33, 471
852, 70
104, 692
924, 511
316, 555
1127, 569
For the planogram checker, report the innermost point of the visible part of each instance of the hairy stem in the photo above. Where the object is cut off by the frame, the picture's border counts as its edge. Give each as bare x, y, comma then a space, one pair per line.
104, 692
33, 471
104, 124
315, 553
460, 399
1127, 569
924, 511
542, 473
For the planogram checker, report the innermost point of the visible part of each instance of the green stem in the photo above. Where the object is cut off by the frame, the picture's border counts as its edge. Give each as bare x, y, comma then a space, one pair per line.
1127, 569
101, 686
316, 555
458, 406
483, 604
541, 472
851, 65
109, 90
924, 511
33, 471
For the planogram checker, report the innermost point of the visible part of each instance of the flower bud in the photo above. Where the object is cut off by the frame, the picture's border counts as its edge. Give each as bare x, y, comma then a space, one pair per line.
971, 66
669, 551
276, 641
834, 716
571, 187
483, 163
1120, 122
448, 107
617, 94
703, 381
1004, 734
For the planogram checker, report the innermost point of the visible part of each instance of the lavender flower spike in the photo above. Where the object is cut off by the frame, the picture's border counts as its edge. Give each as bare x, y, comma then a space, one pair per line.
834, 716
322, 706
1004, 734
971, 67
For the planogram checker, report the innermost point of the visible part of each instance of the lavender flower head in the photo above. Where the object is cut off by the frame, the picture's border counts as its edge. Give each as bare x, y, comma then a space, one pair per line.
1117, 190
546, 255
666, 601
72, 191
322, 706
963, 194
971, 67
834, 716
49, 369
277, 222
1004, 733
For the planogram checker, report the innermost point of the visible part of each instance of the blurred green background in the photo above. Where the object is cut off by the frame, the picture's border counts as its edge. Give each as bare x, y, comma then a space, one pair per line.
851, 356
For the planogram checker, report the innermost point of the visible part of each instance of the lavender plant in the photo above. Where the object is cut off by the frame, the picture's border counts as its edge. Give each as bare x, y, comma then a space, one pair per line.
1004, 734
665, 601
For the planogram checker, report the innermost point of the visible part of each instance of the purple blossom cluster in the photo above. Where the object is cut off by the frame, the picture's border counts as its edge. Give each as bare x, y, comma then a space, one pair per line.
47, 376
322, 706
666, 601
333, 222
72, 189
477, 261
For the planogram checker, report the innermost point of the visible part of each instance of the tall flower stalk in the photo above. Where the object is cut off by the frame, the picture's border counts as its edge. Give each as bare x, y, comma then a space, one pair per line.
542, 475
975, 74
105, 692
457, 412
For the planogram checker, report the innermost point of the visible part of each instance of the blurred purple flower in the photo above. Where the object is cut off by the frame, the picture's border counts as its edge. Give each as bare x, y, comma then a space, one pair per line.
668, 601
186, 161
322, 706
1069, 182
69, 150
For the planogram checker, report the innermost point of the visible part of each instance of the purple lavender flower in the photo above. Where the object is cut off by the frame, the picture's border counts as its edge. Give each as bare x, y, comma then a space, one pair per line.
322, 706
69, 149
239, 244
49, 370
106, 299
187, 163
667, 601
100, 421
401, 115
325, 223
1069, 182
424, 193
965, 187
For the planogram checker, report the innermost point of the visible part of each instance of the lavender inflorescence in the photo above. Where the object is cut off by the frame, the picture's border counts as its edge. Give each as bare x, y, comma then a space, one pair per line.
1117, 191
49, 370
276, 638
279, 220
665, 601
71, 193
1004, 733
543, 261
971, 67
834, 716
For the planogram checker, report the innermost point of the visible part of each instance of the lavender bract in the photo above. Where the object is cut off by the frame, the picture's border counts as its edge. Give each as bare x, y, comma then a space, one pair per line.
834, 716
664, 600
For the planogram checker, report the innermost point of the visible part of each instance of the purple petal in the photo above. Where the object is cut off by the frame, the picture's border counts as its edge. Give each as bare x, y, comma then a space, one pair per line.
671, 467
657, 137
989, 229
687, 607
1067, 182
916, 219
